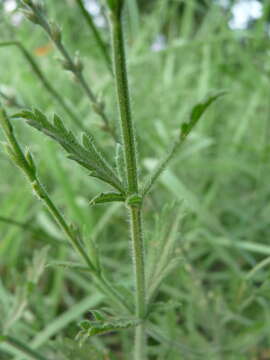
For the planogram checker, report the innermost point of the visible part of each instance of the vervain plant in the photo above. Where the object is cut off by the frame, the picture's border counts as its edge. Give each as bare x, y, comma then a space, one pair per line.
122, 178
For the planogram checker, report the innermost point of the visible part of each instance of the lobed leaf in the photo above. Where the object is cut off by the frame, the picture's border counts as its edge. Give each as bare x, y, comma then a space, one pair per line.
98, 327
107, 197
85, 153
197, 112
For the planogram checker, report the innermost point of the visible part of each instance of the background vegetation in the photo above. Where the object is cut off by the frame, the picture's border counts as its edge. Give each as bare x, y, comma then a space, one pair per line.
214, 198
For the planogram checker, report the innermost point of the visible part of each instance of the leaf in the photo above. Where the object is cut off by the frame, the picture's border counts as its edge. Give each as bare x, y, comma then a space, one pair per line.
197, 112
97, 327
86, 153
107, 197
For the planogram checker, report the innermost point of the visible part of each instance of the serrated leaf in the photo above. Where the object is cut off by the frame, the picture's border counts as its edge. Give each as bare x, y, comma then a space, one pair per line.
58, 123
98, 327
197, 112
107, 197
86, 154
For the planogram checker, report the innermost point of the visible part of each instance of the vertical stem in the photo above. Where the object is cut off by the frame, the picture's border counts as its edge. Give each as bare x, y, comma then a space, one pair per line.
121, 81
138, 256
139, 275
129, 145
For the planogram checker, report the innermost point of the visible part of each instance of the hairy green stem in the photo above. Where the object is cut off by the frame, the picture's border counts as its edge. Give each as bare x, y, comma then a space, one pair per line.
121, 81
129, 146
139, 274
138, 258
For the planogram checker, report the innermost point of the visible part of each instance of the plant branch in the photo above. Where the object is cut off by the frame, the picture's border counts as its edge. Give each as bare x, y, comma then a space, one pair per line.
36, 69
35, 14
161, 166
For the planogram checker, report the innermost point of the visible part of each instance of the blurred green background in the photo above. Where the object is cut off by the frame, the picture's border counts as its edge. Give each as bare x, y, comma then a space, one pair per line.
216, 192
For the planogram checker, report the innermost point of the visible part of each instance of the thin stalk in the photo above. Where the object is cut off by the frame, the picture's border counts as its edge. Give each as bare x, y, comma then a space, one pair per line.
129, 147
139, 275
97, 106
162, 166
36, 69
101, 44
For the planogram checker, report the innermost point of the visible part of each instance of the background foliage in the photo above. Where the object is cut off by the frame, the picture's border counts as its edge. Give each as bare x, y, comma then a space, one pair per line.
214, 199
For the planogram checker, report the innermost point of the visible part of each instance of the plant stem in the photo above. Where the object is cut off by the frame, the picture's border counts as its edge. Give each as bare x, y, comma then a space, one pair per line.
139, 275
121, 81
36, 69
129, 145
97, 106
138, 258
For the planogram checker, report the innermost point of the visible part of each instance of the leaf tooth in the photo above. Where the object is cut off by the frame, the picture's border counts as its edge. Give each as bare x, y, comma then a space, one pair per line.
40, 117
87, 141
58, 123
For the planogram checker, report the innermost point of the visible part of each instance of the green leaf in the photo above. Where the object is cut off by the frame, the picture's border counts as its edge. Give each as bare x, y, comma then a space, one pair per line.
197, 112
86, 153
107, 197
97, 327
